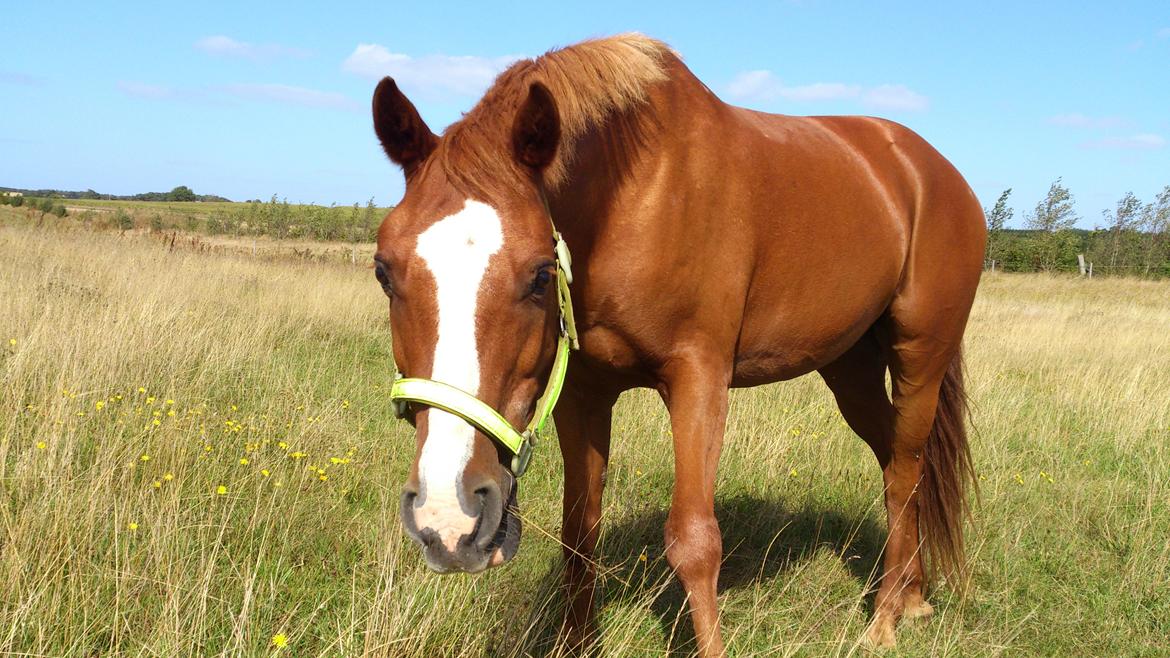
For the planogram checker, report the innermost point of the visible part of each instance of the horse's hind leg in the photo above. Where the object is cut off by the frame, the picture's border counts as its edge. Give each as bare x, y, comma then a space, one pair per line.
893, 430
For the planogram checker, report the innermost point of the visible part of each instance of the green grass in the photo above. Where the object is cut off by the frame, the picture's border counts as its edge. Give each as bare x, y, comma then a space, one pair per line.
1069, 381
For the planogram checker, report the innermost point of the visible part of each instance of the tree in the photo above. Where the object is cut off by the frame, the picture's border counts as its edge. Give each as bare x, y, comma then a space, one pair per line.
997, 218
1124, 218
1053, 217
1155, 222
181, 193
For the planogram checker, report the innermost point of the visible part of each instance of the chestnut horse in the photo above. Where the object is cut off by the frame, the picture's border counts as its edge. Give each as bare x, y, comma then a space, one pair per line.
714, 247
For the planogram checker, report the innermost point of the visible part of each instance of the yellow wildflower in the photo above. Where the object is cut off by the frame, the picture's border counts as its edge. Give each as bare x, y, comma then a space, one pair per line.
243, 461
41, 445
169, 476
133, 526
99, 404
792, 473
221, 490
141, 389
12, 342
264, 472
279, 641
144, 458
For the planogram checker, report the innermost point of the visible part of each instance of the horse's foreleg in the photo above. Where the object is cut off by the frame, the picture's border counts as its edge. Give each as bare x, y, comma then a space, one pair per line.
695, 392
583, 426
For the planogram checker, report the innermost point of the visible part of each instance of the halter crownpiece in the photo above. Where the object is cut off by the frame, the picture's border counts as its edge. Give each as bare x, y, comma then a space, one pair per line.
478, 413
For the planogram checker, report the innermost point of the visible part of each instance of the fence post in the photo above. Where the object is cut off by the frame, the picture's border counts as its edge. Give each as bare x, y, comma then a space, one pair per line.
1081, 263
1090, 270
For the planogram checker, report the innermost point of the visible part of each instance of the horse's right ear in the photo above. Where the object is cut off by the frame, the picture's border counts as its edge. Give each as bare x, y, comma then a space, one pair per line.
404, 135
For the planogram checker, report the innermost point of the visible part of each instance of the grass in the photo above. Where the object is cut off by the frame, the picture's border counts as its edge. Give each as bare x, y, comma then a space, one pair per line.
117, 540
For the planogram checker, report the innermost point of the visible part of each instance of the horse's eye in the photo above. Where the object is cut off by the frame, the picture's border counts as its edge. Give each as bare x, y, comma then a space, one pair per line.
540, 282
383, 278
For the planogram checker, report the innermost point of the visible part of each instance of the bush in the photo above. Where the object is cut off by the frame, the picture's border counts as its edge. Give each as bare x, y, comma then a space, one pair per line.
59, 210
123, 220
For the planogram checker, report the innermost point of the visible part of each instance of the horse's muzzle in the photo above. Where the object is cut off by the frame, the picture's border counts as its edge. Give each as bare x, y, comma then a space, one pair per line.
493, 541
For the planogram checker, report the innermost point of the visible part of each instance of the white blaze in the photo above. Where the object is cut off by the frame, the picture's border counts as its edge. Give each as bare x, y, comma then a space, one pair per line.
456, 250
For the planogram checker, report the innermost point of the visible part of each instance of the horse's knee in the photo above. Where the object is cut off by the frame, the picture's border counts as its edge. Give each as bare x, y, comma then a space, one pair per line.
694, 546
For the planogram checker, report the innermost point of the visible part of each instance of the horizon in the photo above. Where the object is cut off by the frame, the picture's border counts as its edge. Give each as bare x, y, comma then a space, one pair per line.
235, 104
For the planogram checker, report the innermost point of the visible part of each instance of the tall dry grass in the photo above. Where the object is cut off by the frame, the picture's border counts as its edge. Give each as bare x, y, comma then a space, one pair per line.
117, 540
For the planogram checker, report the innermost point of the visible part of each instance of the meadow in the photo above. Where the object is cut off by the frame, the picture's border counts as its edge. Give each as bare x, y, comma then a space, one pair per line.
197, 458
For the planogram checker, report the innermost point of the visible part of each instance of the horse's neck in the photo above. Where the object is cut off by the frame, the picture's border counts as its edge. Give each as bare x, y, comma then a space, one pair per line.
610, 161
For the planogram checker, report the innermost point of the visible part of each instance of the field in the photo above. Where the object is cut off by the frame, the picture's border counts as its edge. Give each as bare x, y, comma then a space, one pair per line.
197, 458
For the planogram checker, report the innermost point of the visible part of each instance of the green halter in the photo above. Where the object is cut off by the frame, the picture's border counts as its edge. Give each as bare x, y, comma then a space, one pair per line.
476, 412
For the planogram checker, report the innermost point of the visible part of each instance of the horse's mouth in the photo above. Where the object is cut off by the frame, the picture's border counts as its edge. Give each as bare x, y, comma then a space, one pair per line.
506, 541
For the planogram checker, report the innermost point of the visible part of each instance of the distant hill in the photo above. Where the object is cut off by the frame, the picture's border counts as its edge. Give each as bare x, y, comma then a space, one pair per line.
181, 193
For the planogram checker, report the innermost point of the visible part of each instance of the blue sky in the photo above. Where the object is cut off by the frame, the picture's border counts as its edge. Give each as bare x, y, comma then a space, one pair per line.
253, 99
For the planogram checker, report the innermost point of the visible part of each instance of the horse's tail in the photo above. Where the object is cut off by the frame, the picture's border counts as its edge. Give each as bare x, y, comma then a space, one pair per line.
947, 475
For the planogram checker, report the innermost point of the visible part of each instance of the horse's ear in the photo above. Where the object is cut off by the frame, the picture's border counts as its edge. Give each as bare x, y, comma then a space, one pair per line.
404, 135
537, 129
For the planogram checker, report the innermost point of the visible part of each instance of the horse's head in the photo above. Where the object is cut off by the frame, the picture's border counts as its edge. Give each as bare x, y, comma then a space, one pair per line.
472, 285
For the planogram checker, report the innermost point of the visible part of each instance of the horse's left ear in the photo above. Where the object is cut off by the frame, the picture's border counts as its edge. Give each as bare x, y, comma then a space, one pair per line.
536, 131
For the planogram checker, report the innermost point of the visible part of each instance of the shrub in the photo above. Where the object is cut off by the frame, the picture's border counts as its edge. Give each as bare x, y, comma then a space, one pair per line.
123, 220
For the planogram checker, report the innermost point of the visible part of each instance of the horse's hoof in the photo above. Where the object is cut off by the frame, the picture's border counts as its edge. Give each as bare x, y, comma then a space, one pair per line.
918, 611
880, 634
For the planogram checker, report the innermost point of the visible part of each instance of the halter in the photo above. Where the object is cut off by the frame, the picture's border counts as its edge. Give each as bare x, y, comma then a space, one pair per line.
478, 413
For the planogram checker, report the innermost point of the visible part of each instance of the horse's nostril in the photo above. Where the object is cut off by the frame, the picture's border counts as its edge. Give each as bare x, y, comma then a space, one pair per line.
428, 537
482, 493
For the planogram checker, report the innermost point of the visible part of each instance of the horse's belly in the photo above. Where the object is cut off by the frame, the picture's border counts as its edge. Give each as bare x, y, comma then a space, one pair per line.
794, 325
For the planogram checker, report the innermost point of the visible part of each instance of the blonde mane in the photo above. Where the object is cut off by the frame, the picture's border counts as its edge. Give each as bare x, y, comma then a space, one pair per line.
589, 81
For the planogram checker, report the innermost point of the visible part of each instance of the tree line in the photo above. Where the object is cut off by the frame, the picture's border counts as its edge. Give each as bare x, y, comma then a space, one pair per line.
180, 193
1133, 239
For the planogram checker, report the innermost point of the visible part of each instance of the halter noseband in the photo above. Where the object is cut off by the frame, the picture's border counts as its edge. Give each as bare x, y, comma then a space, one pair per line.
478, 413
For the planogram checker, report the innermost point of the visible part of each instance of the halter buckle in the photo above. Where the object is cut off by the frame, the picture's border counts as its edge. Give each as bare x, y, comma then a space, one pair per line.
524, 455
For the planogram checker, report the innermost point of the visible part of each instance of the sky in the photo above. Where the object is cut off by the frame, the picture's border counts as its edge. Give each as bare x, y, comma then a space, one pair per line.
255, 99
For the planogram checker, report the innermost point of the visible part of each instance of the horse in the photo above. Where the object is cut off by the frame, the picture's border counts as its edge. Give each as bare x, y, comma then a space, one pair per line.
713, 247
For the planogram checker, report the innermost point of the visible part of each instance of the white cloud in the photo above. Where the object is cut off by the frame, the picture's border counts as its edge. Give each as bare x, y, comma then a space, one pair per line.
225, 46
762, 85
1078, 120
895, 97
1139, 142
434, 75
291, 95
152, 92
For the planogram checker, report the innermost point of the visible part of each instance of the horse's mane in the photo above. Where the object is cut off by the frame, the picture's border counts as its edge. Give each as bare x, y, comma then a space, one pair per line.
589, 82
